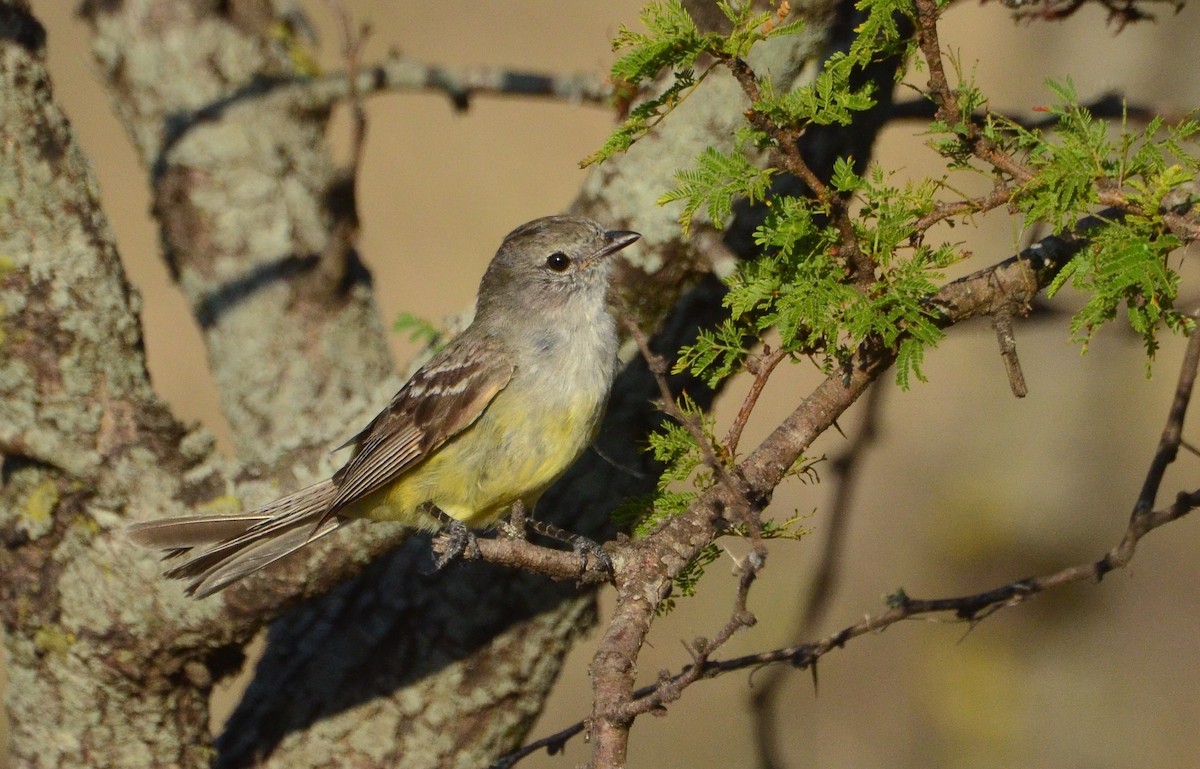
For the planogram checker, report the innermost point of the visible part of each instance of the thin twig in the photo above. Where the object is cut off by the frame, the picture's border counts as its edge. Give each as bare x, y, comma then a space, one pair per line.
1172, 434
786, 154
353, 42
786, 138
339, 257
969, 608
948, 109
729, 479
1006, 337
658, 367
1002, 192
761, 367
670, 688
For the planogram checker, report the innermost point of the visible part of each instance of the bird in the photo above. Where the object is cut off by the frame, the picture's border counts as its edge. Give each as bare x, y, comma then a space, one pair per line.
489, 422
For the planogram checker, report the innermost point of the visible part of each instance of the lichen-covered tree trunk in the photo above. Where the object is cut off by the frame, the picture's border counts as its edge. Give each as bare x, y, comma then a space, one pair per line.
92, 680
257, 224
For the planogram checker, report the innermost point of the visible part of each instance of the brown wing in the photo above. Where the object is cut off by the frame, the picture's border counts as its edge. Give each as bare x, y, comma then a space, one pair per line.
445, 396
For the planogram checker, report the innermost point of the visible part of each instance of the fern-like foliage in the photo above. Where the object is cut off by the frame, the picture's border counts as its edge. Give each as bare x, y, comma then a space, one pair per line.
1126, 262
717, 181
642, 118
800, 286
829, 100
673, 41
684, 477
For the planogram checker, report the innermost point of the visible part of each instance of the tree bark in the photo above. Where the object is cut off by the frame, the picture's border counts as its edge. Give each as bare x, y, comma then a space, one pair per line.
91, 682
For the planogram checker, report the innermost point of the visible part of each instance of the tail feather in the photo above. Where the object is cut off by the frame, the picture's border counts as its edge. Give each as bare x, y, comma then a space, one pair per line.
188, 531
221, 549
254, 555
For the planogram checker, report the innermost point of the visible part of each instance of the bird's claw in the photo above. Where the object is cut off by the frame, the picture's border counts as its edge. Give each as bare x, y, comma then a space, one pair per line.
453, 542
584, 547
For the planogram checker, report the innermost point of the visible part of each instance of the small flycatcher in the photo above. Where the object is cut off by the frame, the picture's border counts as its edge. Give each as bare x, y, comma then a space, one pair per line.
492, 420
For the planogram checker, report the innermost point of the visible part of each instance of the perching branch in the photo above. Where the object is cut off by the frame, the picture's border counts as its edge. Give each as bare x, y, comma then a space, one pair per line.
518, 553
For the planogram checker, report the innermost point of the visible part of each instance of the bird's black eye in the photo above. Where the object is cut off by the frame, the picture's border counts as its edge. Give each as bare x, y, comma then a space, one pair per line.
558, 261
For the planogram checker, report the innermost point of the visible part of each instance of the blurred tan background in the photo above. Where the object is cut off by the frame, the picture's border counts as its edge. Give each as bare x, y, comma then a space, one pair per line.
967, 488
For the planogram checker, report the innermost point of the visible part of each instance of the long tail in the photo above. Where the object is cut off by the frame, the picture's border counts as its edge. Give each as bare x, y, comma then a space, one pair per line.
221, 549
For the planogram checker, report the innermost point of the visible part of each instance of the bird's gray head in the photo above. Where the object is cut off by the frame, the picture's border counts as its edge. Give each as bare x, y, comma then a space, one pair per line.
548, 264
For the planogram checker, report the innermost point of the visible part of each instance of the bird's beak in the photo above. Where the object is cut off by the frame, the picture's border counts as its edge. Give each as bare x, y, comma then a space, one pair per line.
616, 240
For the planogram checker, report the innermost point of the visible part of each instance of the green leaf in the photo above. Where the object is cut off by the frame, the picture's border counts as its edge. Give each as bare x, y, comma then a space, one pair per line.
1126, 262
419, 330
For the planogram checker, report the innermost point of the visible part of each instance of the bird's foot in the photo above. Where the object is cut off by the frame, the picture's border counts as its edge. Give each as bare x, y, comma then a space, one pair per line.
581, 545
453, 541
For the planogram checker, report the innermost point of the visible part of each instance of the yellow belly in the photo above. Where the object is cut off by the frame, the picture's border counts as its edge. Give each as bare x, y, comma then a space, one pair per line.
509, 453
